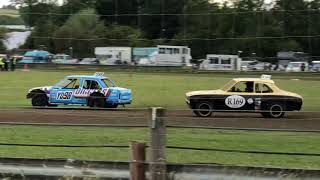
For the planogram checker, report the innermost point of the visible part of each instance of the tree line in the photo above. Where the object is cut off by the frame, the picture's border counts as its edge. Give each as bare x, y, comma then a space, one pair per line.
250, 26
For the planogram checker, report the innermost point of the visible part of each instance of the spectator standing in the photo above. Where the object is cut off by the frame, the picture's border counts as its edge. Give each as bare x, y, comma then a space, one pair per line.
13, 62
303, 67
6, 63
1, 64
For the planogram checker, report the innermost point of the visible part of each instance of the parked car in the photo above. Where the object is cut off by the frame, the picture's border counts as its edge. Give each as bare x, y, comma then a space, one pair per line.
94, 91
89, 61
64, 59
315, 66
244, 65
259, 95
297, 67
259, 66
36, 56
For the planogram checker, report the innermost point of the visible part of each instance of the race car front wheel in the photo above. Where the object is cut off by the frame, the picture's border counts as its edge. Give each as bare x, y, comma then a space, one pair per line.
274, 110
96, 101
40, 100
203, 109
112, 106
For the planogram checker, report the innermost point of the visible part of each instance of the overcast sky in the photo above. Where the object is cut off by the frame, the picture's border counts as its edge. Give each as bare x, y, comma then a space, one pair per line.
4, 2
7, 2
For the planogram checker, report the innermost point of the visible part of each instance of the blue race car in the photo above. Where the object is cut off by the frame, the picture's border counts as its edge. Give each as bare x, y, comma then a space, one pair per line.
94, 91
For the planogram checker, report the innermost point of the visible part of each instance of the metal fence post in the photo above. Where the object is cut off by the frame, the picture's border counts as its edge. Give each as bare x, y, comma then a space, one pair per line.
137, 163
157, 167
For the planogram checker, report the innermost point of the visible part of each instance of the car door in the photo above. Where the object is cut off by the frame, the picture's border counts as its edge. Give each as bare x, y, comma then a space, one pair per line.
64, 94
240, 97
79, 95
264, 93
87, 87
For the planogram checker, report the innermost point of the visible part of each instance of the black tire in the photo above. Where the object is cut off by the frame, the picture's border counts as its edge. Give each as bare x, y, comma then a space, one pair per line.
97, 101
39, 100
52, 105
207, 109
112, 106
274, 110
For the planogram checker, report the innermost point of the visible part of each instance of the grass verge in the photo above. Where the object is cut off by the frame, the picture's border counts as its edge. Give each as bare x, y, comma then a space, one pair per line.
237, 140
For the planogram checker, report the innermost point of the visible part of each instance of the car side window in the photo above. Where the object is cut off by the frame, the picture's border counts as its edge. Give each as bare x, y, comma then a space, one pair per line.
262, 88
73, 84
91, 84
244, 86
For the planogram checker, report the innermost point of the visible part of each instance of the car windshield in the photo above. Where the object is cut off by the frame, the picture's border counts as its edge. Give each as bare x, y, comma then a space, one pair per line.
61, 57
64, 83
316, 65
228, 85
294, 65
88, 60
253, 63
109, 83
28, 58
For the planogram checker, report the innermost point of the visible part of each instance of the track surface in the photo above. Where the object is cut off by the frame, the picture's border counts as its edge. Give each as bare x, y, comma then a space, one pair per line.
293, 120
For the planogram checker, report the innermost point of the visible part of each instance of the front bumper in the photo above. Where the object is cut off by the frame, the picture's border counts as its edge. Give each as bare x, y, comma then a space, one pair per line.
120, 102
29, 95
188, 102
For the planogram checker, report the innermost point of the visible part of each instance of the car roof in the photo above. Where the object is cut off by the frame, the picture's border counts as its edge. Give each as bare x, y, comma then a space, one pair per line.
87, 76
255, 80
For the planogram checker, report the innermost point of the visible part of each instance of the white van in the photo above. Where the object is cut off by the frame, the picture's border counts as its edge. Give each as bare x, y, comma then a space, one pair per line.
297, 67
113, 55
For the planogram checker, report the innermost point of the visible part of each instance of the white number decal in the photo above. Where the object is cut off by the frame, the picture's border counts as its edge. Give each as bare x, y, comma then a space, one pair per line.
235, 101
64, 95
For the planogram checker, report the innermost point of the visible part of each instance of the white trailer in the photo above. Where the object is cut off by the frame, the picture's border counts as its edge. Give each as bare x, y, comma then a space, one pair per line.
164, 55
113, 55
221, 62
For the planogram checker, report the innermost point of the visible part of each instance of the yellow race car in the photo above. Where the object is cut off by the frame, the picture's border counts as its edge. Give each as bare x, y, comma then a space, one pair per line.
245, 95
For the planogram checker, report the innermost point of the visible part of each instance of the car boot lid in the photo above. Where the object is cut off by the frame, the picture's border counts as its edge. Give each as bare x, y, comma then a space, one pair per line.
205, 92
46, 89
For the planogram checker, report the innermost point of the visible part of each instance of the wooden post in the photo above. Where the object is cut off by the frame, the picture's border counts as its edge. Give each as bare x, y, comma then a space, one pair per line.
137, 160
157, 167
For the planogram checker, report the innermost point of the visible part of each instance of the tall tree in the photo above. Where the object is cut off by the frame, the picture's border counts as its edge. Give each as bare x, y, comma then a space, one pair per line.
122, 12
79, 32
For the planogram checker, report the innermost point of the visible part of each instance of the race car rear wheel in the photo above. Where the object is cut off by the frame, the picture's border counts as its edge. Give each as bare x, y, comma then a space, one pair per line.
203, 109
274, 110
39, 100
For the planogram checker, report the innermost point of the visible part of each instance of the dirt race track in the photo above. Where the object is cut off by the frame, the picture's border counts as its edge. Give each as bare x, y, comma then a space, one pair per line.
293, 120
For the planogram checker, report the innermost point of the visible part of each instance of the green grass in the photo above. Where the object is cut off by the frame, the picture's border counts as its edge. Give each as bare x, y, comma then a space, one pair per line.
237, 140
158, 89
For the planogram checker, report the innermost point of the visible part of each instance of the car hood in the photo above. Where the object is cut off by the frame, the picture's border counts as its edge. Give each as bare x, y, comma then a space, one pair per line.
205, 92
46, 89
121, 89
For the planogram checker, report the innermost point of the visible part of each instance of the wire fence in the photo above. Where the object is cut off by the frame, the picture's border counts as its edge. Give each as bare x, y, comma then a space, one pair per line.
181, 139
